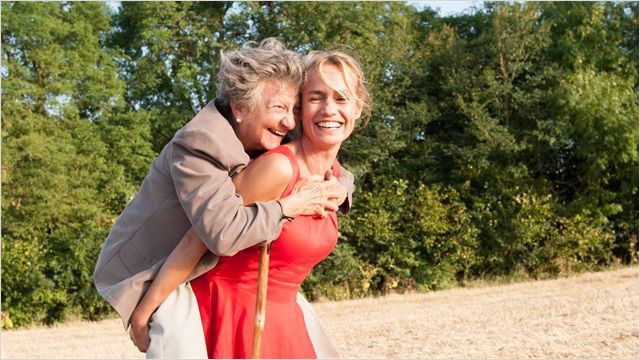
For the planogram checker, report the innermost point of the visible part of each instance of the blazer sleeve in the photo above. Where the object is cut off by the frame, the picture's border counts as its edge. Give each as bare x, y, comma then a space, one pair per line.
347, 179
209, 199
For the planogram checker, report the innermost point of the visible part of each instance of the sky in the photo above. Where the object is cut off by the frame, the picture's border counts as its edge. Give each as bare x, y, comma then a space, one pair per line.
446, 8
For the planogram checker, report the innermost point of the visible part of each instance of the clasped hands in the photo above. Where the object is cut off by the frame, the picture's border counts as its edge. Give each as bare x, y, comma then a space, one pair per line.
314, 196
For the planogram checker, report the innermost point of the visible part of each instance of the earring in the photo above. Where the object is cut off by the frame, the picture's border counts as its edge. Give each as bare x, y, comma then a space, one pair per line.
238, 120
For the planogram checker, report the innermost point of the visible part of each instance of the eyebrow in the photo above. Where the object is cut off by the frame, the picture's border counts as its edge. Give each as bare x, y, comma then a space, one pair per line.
277, 100
342, 92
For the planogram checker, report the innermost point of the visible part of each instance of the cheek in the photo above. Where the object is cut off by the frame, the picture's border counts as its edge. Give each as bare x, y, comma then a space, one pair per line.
350, 114
306, 113
350, 127
256, 133
244, 129
273, 120
262, 125
307, 109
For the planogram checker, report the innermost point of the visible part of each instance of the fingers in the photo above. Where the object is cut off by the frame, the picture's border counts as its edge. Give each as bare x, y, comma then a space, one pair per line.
335, 189
332, 180
140, 338
312, 197
133, 340
328, 175
315, 186
299, 185
143, 344
331, 206
325, 207
320, 212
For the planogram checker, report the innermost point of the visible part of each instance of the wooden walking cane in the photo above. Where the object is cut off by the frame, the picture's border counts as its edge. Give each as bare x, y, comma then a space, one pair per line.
261, 300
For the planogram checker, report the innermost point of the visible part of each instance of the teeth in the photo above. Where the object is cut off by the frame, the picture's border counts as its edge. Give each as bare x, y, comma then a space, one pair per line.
329, 124
277, 133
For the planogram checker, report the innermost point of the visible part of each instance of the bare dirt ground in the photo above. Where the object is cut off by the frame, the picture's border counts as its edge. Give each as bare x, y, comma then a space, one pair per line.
591, 316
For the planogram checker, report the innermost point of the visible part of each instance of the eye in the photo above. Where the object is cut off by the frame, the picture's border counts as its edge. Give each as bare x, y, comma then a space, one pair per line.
341, 99
315, 99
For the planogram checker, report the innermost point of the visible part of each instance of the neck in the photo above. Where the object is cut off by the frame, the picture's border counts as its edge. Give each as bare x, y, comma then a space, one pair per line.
317, 161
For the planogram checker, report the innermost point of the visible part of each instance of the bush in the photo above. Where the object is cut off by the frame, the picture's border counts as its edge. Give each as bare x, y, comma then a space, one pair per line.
412, 237
341, 276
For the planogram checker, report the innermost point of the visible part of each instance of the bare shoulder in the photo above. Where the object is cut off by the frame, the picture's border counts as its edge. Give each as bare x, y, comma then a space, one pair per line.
275, 164
265, 178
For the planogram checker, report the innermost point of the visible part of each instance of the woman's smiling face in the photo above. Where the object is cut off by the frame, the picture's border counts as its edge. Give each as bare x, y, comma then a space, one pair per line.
264, 126
329, 109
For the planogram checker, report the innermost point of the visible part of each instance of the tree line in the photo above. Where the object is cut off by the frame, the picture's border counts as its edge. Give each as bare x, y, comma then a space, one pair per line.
503, 141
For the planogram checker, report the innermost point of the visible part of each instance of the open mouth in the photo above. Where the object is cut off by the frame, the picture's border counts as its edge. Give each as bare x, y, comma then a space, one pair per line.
329, 125
277, 133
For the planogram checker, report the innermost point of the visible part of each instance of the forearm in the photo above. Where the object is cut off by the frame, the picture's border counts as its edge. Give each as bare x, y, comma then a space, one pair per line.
174, 271
209, 199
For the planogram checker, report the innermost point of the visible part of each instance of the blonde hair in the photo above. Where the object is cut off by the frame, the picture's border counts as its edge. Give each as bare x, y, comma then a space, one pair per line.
351, 71
243, 71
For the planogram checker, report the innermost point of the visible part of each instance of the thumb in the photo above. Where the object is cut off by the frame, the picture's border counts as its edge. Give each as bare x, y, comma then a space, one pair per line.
299, 184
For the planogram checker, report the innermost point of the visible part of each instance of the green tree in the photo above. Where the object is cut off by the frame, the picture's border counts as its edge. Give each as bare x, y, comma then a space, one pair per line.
63, 184
170, 54
594, 135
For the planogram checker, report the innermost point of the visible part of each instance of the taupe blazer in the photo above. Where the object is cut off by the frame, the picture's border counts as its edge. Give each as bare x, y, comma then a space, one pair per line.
189, 184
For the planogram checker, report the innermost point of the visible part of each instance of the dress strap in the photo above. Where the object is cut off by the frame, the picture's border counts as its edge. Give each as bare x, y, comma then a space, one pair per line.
294, 165
284, 150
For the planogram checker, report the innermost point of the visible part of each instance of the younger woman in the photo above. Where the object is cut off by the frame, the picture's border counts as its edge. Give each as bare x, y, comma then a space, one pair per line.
333, 97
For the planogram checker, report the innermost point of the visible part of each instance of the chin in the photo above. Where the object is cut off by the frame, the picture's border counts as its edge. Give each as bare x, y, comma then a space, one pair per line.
271, 145
328, 143
332, 139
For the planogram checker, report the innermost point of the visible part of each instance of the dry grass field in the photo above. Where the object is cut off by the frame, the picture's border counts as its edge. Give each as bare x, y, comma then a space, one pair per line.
591, 316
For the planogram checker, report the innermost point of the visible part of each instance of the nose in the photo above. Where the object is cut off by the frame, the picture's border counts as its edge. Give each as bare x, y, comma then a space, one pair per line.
330, 107
289, 121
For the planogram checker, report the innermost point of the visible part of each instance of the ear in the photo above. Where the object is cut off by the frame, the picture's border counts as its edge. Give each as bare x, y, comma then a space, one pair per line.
358, 112
238, 112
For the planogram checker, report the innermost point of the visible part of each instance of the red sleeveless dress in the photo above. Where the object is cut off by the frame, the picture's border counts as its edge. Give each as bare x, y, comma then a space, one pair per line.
227, 293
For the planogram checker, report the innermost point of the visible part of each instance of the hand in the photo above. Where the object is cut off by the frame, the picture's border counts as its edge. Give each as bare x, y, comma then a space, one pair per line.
337, 188
311, 198
139, 331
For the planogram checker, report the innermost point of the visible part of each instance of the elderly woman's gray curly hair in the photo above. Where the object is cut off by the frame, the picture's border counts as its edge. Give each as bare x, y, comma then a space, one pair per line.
243, 71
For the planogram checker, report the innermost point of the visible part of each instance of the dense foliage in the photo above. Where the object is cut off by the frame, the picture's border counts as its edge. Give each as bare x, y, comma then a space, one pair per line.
503, 141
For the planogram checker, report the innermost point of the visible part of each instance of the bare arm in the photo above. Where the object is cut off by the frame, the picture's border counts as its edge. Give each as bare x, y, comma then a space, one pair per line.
180, 263
264, 180
200, 167
208, 198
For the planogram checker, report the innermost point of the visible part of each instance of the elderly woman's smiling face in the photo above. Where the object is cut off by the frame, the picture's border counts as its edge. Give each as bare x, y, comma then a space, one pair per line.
264, 126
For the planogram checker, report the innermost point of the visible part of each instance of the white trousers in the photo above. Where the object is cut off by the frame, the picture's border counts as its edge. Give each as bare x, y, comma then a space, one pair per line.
176, 331
175, 328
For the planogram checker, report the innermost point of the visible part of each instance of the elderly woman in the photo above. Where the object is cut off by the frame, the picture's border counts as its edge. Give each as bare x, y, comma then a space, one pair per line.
333, 98
189, 186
